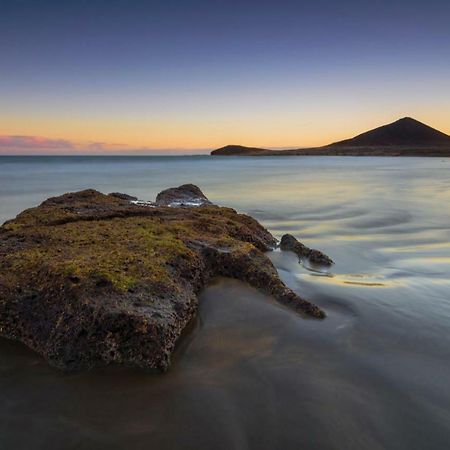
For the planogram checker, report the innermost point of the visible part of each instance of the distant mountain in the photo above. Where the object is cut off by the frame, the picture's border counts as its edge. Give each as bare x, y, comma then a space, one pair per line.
406, 131
405, 137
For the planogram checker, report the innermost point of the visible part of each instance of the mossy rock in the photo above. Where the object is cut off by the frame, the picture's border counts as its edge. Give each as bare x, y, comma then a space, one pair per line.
88, 279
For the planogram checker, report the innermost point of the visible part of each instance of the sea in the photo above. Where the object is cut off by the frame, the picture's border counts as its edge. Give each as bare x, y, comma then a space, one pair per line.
251, 374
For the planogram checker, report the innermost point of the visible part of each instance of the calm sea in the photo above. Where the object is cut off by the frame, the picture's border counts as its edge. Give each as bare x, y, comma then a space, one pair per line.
251, 374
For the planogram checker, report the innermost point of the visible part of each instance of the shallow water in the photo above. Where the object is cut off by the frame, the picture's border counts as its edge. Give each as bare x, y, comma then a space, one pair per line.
251, 374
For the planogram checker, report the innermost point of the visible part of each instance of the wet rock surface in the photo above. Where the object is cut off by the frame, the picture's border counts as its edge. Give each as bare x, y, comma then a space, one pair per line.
88, 279
315, 257
187, 195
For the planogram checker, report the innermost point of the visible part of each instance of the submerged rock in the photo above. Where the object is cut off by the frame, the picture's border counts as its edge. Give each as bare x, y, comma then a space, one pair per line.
316, 257
88, 279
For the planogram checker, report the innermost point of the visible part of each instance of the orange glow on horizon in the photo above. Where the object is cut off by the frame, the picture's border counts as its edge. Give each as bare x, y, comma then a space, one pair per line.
119, 135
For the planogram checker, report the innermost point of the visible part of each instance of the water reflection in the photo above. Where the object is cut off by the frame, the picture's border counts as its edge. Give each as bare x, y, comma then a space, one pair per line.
252, 375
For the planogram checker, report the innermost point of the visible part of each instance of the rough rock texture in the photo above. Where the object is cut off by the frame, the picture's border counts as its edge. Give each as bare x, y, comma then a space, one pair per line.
187, 195
316, 257
123, 196
88, 279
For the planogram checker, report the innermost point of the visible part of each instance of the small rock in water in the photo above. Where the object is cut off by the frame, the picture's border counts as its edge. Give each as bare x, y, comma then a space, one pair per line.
316, 257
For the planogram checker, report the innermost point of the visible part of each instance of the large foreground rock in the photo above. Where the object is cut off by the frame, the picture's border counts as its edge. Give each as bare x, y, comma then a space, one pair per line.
88, 279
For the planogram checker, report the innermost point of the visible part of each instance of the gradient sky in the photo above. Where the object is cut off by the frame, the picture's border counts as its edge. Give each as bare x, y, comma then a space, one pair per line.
113, 76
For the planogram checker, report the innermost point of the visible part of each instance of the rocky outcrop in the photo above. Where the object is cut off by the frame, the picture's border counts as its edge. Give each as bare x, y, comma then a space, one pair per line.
315, 257
185, 195
88, 279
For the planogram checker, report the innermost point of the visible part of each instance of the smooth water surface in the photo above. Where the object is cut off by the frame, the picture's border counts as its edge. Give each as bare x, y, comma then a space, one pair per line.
252, 374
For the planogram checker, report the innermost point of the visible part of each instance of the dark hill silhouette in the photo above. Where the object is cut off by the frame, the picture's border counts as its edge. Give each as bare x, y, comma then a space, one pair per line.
239, 150
406, 131
405, 137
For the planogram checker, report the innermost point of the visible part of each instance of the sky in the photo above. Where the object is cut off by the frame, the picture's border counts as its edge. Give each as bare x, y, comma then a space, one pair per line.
116, 76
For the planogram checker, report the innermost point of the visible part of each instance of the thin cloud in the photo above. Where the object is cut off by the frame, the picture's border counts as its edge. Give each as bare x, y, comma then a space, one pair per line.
103, 146
33, 143
26, 145
37, 145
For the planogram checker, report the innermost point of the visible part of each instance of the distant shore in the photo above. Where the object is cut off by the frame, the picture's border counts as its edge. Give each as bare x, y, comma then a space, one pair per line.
237, 150
404, 137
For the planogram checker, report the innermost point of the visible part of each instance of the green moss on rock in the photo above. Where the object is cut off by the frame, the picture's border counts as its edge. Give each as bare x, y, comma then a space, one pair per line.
88, 279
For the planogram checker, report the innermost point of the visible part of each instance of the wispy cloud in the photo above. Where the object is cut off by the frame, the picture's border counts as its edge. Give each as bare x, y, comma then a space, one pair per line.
103, 147
37, 145
24, 143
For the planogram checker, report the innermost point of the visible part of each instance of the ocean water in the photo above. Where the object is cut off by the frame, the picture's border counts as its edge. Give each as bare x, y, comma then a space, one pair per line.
251, 374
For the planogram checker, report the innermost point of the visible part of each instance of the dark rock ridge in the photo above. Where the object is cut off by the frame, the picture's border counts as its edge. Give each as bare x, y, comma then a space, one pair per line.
405, 137
123, 196
88, 279
315, 257
239, 150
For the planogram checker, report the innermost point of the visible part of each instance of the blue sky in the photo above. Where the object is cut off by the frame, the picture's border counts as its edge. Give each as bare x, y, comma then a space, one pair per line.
163, 75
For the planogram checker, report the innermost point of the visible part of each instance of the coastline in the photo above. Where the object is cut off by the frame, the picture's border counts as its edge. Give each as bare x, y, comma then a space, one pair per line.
393, 151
